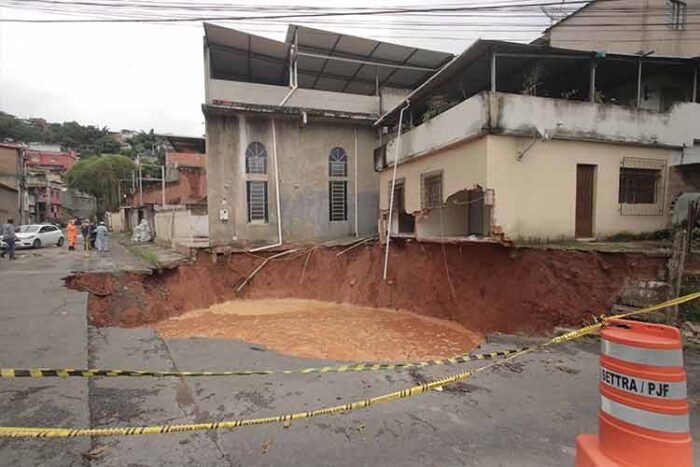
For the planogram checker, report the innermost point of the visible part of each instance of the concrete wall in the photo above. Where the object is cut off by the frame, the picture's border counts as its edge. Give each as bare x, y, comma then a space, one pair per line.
266, 94
463, 166
302, 154
515, 114
639, 31
9, 166
9, 205
461, 121
565, 119
536, 197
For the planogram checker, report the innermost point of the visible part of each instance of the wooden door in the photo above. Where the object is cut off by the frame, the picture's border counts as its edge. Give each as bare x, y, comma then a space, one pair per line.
585, 181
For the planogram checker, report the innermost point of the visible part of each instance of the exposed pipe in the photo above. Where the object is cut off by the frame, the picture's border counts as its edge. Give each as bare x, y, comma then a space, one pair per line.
277, 194
289, 94
393, 185
357, 208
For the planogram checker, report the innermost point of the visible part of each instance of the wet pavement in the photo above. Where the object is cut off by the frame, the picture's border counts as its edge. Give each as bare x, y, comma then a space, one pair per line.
526, 413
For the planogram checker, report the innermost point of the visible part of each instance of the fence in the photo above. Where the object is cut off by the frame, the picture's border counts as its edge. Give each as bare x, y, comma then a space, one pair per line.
181, 227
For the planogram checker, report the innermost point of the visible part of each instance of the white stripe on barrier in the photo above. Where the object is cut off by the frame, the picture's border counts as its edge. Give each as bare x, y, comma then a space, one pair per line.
644, 418
654, 357
643, 387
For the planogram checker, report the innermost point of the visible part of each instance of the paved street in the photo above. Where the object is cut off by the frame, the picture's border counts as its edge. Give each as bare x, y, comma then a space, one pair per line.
527, 413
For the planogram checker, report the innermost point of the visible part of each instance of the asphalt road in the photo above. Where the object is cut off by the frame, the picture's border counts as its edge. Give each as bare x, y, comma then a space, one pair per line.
527, 413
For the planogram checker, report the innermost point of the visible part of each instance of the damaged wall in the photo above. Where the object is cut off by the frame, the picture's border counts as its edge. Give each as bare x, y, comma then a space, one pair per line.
302, 153
463, 166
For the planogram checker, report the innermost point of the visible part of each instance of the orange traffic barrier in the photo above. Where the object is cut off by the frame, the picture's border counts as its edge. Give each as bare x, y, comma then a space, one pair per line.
643, 418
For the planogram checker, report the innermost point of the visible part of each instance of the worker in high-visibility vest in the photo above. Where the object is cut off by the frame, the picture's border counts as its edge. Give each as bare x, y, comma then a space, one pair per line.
72, 233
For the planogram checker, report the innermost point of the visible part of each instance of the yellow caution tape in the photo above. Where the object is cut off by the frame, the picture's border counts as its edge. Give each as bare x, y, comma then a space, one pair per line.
27, 432
357, 367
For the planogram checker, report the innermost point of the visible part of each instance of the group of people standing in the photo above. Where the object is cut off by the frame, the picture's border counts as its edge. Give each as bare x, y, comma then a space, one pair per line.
94, 236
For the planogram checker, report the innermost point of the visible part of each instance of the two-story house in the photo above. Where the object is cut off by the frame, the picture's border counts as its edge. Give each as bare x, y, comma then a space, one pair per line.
538, 143
290, 133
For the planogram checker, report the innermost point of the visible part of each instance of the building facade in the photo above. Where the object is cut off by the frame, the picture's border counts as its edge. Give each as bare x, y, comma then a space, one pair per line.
13, 198
290, 132
636, 27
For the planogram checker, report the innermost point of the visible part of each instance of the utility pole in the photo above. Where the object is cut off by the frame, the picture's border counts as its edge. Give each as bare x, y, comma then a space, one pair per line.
162, 182
140, 181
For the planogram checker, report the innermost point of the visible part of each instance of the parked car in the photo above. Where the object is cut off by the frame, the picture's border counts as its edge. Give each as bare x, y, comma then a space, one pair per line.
38, 235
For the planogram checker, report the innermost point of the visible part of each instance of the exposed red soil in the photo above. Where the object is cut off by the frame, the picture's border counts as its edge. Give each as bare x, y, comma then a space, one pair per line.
493, 288
312, 329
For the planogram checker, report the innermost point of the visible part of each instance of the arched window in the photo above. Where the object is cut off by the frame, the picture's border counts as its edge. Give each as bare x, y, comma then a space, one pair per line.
338, 185
338, 163
256, 158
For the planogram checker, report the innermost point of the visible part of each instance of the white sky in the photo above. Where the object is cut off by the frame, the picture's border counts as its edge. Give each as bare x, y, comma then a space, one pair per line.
143, 76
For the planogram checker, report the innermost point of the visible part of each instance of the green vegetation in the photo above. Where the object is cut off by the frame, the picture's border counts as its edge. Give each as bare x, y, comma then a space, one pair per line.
437, 105
99, 176
85, 139
142, 251
689, 311
630, 237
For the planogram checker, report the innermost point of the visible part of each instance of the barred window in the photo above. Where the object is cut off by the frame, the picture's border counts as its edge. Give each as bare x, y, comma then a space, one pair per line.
338, 205
676, 14
338, 163
638, 186
256, 158
641, 190
431, 190
256, 194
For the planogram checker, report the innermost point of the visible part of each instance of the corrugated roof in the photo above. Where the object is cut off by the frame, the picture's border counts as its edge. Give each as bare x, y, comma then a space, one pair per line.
327, 60
478, 73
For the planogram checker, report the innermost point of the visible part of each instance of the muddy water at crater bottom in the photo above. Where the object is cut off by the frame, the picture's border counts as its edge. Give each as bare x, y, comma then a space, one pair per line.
313, 329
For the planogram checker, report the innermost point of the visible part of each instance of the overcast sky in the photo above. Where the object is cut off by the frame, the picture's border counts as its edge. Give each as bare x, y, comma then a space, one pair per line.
143, 76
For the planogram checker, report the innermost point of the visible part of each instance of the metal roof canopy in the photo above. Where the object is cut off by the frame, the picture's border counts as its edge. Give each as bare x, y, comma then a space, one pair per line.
325, 60
475, 62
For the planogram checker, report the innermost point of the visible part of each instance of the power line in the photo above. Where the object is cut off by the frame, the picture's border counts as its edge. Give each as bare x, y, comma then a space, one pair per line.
386, 11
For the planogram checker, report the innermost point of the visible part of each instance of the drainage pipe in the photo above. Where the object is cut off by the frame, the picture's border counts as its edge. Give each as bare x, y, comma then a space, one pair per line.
277, 193
289, 94
357, 208
393, 185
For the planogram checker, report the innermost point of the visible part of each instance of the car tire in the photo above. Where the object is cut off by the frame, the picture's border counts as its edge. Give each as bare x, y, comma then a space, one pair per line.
60, 241
36, 244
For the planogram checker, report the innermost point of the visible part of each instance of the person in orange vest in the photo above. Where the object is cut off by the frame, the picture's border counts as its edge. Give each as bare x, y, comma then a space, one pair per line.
72, 233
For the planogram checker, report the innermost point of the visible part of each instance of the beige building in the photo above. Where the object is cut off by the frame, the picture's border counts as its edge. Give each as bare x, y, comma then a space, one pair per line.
537, 144
290, 134
635, 27
12, 188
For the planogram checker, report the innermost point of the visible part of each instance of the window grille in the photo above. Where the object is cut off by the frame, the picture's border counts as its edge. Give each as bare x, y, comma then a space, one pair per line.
676, 14
338, 163
257, 201
642, 186
338, 205
431, 190
256, 158
398, 195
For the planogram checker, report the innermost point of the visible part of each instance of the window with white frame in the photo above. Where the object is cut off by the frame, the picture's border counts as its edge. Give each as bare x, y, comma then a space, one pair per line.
256, 194
431, 190
676, 14
338, 185
256, 158
338, 163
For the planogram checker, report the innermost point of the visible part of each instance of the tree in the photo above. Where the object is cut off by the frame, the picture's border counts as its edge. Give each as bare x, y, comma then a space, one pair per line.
100, 176
86, 139
146, 144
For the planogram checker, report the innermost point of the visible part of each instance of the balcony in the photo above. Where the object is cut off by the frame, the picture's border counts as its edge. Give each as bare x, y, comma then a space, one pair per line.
545, 118
224, 92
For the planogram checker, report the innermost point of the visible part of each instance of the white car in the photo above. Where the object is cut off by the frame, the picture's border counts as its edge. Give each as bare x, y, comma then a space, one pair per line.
38, 235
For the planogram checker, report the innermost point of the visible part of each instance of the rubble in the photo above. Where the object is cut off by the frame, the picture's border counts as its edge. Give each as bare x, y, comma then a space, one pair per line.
142, 232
